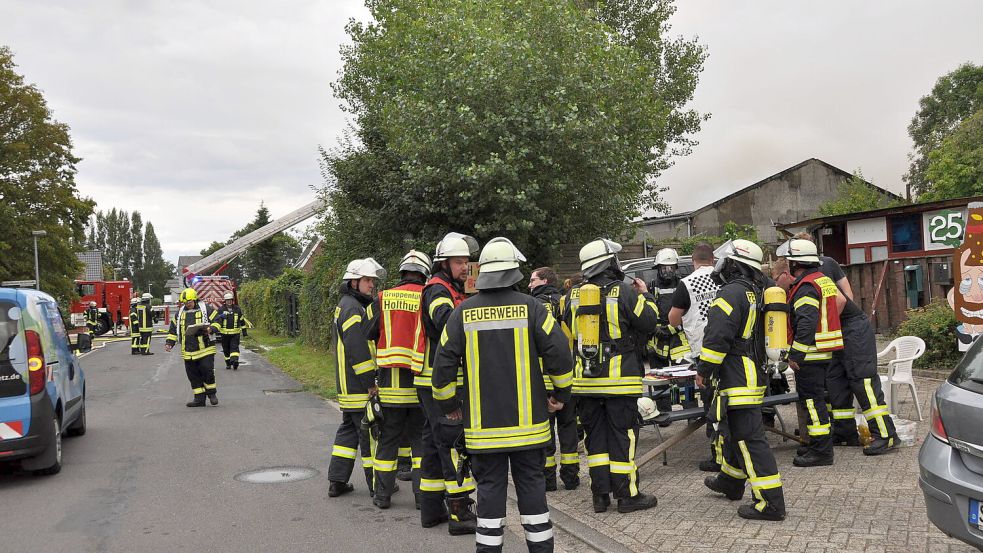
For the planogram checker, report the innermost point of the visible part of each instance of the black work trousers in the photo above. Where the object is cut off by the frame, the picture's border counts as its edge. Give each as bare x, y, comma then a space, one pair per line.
399, 425
611, 427
746, 457
230, 348
438, 466
145, 336
853, 373
563, 426
491, 471
201, 375
135, 340
706, 397
810, 383
349, 441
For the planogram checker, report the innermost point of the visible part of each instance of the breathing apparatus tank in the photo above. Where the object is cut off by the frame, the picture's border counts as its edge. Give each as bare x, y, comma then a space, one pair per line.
776, 323
589, 329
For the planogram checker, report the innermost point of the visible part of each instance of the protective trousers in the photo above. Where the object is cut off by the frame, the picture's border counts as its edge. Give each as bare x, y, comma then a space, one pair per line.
398, 425
438, 466
746, 456
611, 427
145, 340
563, 426
853, 373
348, 442
810, 383
230, 348
135, 341
706, 397
491, 470
201, 375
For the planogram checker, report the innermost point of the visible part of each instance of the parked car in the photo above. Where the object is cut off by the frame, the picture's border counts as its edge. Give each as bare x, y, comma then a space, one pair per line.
42, 385
642, 268
951, 459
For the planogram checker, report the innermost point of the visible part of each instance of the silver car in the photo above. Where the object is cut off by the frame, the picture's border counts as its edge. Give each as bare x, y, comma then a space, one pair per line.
951, 459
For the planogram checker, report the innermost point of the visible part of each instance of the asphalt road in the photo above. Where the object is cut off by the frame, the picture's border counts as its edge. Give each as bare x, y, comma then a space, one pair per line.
154, 475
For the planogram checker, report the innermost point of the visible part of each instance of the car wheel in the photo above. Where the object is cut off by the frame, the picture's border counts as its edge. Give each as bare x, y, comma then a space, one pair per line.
77, 428
56, 444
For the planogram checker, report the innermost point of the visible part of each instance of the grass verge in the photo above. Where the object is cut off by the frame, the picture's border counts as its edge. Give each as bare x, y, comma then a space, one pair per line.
313, 367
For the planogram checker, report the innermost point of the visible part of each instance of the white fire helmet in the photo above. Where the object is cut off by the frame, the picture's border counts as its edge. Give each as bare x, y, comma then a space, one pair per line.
593, 255
743, 251
804, 251
367, 267
416, 261
647, 408
454, 244
228, 296
666, 256
499, 264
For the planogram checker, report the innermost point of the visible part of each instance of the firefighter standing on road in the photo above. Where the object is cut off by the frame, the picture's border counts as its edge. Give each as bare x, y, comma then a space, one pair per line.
355, 372
608, 379
92, 319
814, 334
563, 423
438, 480
506, 340
134, 327
145, 314
190, 328
232, 324
401, 347
728, 360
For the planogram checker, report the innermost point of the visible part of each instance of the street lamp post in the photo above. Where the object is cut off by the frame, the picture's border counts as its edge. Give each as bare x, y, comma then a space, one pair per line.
37, 270
116, 271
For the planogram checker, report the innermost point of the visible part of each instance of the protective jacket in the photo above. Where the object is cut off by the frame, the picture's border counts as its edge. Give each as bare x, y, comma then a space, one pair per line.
440, 296
231, 320
355, 369
144, 315
668, 342
814, 325
502, 336
728, 352
195, 344
134, 320
92, 318
550, 297
401, 343
627, 319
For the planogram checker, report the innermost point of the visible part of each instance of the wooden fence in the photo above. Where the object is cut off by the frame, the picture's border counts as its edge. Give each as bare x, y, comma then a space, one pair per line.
892, 302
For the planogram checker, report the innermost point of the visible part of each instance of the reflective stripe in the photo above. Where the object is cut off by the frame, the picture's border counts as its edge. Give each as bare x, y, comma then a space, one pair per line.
548, 324
598, 460
417, 461
367, 462
210, 386
354, 319
342, 451
733, 472
820, 356
639, 306
711, 356
431, 485
723, 305
453, 487
766, 482
542, 518
550, 462
876, 412
536, 537
805, 300
633, 475
384, 466
804, 348
443, 300
489, 540
444, 392
569, 458
842, 414
818, 429
492, 522
618, 467
198, 390
364, 367
563, 380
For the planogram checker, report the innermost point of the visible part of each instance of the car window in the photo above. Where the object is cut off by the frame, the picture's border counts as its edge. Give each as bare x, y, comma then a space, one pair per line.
58, 335
969, 370
11, 351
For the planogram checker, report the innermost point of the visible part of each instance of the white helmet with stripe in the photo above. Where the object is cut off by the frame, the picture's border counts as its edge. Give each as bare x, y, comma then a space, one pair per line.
796, 249
416, 261
367, 267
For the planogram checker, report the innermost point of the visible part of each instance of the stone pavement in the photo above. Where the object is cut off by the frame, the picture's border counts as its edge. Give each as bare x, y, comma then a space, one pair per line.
870, 504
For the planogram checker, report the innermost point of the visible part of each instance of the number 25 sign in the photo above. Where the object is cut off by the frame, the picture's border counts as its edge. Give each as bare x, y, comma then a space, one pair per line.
946, 228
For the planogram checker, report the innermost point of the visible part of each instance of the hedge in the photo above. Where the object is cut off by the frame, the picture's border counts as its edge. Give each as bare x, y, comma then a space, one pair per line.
265, 302
936, 324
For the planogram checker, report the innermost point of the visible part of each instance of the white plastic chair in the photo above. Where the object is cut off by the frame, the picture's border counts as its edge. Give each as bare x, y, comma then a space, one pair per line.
906, 349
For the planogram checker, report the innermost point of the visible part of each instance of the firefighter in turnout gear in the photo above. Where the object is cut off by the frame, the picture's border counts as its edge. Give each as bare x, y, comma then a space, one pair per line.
668, 345
92, 319
729, 359
563, 423
439, 466
610, 322
145, 315
191, 329
506, 341
232, 324
401, 346
354, 320
814, 334
134, 327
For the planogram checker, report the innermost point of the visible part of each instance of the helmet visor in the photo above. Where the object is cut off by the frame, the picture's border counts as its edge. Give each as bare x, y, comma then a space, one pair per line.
784, 250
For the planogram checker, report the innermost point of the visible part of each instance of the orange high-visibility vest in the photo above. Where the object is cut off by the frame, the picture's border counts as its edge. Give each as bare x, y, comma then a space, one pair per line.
829, 333
402, 341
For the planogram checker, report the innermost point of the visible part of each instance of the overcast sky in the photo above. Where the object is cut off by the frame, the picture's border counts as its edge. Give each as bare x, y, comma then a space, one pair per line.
195, 111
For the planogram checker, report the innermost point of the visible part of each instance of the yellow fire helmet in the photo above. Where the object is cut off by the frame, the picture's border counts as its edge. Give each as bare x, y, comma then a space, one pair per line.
189, 294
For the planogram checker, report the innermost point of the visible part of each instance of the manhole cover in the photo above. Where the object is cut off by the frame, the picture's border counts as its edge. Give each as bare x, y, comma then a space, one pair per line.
276, 475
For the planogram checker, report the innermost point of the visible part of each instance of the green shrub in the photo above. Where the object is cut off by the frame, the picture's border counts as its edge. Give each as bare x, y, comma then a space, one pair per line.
265, 301
936, 324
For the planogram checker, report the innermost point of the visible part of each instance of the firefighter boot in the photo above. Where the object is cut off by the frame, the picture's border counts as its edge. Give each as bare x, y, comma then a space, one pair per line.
601, 502
339, 488
637, 502
569, 476
550, 476
812, 459
769, 513
235, 365
709, 465
404, 469
852, 441
432, 509
716, 484
881, 446
213, 398
199, 401
462, 518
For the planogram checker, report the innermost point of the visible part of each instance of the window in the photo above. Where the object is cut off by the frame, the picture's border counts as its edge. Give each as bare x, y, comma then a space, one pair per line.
858, 255
906, 233
86, 290
878, 253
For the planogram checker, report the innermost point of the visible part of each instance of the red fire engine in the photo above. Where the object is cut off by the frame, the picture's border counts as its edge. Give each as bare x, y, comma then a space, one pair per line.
112, 299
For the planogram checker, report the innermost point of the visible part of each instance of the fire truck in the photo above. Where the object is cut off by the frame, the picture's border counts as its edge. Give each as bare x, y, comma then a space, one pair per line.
112, 299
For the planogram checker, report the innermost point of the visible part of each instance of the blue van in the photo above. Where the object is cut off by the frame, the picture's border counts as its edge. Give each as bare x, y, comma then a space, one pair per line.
42, 387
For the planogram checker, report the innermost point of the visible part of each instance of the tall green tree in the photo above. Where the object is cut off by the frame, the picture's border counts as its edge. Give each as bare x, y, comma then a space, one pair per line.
955, 97
853, 195
157, 271
135, 251
545, 121
267, 259
955, 168
37, 188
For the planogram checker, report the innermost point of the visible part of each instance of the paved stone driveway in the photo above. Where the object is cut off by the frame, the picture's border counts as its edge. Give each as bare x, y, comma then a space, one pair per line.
858, 504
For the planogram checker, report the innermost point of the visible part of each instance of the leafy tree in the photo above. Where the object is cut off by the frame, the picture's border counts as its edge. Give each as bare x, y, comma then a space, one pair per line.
267, 259
37, 188
542, 121
853, 195
135, 252
157, 271
955, 97
955, 169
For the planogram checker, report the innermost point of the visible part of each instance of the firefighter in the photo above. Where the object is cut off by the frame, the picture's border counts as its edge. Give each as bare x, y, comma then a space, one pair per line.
399, 355
354, 319
668, 345
145, 314
191, 329
814, 334
232, 324
92, 319
729, 358
438, 479
608, 379
134, 327
563, 423
506, 340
